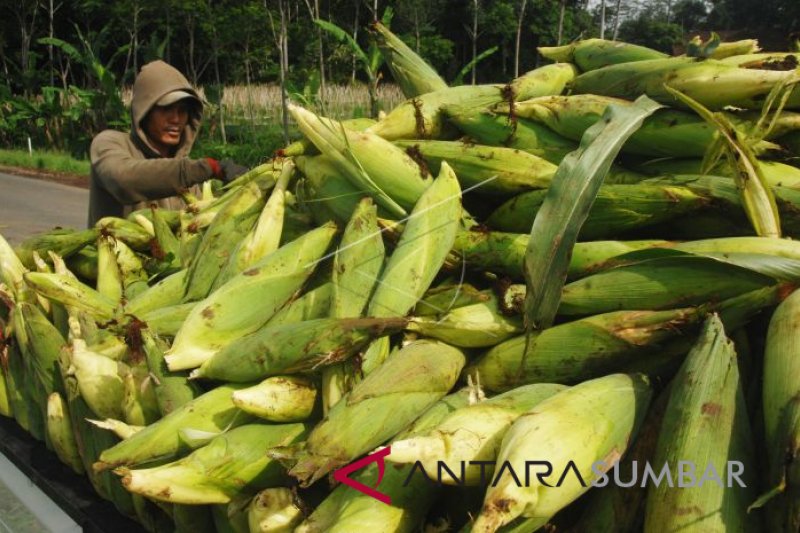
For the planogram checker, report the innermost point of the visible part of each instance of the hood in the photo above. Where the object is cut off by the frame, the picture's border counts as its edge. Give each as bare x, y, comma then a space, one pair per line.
154, 81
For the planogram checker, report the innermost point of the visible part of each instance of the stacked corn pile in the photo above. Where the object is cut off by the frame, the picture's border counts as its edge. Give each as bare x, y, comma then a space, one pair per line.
486, 288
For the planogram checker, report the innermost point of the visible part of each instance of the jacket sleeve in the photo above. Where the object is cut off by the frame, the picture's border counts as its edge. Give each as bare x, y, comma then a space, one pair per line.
130, 179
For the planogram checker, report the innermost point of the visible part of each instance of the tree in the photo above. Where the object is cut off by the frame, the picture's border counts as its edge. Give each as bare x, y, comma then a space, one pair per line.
690, 14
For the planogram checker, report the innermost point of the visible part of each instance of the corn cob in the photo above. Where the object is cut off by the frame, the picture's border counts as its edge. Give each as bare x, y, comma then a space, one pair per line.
604, 412
14, 370
493, 170
307, 148
416, 260
168, 291
140, 404
265, 236
542, 81
293, 347
274, 511
711, 83
167, 321
735, 48
69, 291
125, 230
279, 399
781, 408
776, 173
118, 427
430, 370
470, 434
440, 299
328, 188
667, 133
763, 60
410, 497
42, 345
409, 70
357, 263
591, 54
6, 402
109, 278
212, 412
312, 305
370, 163
346, 510
604, 343
63, 242
60, 434
166, 246
11, 269
172, 389
231, 225
422, 117
146, 223
24, 377
220, 318
132, 272
91, 440
617, 209
426, 239
170, 217
493, 129
356, 267
99, 380
472, 326
84, 263
504, 252
706, 398
661, 283
234, 462
619, 508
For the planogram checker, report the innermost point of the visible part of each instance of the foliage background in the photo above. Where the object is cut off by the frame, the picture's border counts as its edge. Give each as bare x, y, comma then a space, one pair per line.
66, 64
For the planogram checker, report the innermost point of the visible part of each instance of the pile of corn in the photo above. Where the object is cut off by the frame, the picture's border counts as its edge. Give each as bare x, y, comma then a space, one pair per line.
368, 291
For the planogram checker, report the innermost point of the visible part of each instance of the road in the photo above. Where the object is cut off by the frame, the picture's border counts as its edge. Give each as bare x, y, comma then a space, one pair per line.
29, 206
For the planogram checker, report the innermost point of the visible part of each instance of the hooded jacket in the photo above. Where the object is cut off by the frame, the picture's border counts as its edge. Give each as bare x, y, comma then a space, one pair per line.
127, 172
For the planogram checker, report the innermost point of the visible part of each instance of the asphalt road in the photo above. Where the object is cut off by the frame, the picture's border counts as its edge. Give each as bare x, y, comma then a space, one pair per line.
29, 206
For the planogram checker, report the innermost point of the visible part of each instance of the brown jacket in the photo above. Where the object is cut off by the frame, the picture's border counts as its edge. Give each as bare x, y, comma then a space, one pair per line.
127, 172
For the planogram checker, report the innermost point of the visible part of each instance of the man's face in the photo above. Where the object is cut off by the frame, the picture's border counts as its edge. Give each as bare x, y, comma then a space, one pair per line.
164, 126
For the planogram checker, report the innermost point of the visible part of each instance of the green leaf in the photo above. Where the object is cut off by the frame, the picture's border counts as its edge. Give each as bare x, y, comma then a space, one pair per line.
566, 207
342, 36
757, 198
459, 79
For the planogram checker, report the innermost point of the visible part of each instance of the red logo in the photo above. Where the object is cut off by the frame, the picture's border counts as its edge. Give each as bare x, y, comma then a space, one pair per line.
342, 475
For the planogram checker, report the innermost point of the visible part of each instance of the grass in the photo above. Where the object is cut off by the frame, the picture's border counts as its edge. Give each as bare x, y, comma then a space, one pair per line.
44, 160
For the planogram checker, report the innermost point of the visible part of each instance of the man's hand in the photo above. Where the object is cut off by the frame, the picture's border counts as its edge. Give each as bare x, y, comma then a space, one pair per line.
231, 170
226, 170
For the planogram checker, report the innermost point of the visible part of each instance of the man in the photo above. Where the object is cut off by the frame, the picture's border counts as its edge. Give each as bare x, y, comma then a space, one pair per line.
151, 164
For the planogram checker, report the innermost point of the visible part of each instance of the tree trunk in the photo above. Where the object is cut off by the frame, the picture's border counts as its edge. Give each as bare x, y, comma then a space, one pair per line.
474, 38
51, 14
416, 28
602, 19
616, 20
284, 69
519, 36
561, 21
322, 86
215, 61
355, 38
